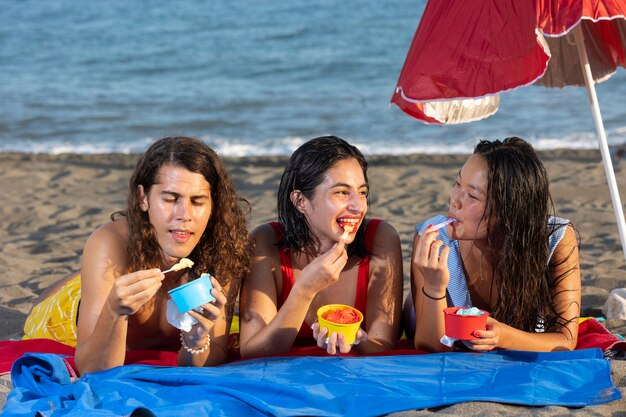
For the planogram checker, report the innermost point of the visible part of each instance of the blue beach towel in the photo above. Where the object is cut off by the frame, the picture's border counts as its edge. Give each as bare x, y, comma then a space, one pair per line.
322, 386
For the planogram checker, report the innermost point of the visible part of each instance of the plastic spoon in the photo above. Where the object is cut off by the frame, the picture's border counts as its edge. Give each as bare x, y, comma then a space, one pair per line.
346, 232
442, 224
182, 264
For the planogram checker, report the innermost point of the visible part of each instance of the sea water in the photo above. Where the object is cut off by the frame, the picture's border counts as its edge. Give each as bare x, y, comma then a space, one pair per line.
248, 77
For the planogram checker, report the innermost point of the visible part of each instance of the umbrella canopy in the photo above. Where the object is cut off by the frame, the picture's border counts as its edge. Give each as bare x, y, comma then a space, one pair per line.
464, 53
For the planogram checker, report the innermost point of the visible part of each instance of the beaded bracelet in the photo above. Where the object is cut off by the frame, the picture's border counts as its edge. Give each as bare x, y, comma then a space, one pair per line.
195, 351
432, 298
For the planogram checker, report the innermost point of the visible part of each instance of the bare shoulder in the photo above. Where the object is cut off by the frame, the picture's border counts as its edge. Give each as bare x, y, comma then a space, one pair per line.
107, 244
264, 239
386, 229
115, 231
387, 238
266, 260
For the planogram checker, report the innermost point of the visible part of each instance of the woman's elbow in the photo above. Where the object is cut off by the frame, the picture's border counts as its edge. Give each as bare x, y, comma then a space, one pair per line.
430, 346
571, 343
567, 343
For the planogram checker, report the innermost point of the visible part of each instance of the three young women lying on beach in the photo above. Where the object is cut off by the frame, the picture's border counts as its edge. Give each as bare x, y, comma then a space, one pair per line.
181, 204
502, 253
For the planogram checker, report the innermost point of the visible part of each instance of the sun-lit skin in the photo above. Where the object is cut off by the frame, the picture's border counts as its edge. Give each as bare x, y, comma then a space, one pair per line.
323, 273
430, 257
179, 206
430, 274
183, 218
125, 309
341, 199
467, 202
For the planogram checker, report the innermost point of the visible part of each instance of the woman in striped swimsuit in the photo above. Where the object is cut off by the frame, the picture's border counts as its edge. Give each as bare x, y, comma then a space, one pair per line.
504, 253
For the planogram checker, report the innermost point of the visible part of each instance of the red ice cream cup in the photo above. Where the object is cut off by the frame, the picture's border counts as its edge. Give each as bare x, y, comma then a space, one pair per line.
462, 327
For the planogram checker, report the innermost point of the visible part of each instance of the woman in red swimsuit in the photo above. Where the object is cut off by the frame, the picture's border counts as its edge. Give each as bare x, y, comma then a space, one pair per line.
302, 262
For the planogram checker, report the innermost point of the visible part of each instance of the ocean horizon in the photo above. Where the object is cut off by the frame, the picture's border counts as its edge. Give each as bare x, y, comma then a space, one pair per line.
250, 78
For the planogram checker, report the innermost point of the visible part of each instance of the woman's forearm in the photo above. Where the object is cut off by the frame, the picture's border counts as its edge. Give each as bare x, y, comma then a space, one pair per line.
538, 342
374, 344
430, 326
105, 348
279, 334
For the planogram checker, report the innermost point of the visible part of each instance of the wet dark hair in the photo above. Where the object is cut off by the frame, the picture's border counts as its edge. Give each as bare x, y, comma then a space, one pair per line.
518, 206
224, 248
305, 170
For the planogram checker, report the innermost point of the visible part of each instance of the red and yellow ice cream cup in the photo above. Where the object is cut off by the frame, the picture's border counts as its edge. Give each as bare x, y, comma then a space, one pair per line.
341, 319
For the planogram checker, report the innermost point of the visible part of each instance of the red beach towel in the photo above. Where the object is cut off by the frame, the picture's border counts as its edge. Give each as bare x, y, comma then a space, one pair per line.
591, 334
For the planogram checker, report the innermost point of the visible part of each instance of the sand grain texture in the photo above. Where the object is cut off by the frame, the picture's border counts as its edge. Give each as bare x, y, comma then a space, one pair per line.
51, 203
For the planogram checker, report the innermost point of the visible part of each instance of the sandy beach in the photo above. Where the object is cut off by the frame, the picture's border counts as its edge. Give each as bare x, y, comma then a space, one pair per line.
51, 203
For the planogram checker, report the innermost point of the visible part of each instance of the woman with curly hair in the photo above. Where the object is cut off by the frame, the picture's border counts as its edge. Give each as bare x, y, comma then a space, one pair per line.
504, 252
181, 204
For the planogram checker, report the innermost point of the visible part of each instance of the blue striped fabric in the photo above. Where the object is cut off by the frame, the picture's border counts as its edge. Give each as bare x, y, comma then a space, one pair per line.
458, 294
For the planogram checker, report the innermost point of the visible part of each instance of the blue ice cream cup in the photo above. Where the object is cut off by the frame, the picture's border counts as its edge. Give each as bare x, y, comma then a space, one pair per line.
193, 294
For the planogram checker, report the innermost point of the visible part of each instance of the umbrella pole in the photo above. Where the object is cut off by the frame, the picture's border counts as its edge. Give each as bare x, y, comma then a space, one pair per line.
604, 147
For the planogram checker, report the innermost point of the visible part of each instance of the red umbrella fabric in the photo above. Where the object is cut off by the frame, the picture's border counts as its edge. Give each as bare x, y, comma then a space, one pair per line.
603, 26
464, 53
477, 49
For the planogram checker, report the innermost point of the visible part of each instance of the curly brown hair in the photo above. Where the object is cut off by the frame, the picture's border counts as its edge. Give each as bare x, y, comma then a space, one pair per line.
518, 207
224, 248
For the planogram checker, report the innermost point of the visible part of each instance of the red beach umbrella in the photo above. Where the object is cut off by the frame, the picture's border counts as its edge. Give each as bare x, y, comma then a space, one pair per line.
464, 53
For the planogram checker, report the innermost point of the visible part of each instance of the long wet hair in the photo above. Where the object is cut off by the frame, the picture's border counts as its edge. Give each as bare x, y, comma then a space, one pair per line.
518, 206
306, 169
224, 248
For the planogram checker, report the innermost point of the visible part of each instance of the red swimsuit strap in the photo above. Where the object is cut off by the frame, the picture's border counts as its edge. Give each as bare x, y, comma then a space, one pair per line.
360, 301
285, 265
305, 334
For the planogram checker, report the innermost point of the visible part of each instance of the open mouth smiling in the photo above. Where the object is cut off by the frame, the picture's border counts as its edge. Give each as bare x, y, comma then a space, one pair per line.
347, 222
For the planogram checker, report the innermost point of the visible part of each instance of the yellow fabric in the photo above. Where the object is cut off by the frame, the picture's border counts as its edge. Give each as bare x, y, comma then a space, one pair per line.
55, 317
234, 326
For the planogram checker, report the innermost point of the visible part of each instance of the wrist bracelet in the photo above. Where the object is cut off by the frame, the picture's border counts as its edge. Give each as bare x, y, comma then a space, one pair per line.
432, 298
195, 351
